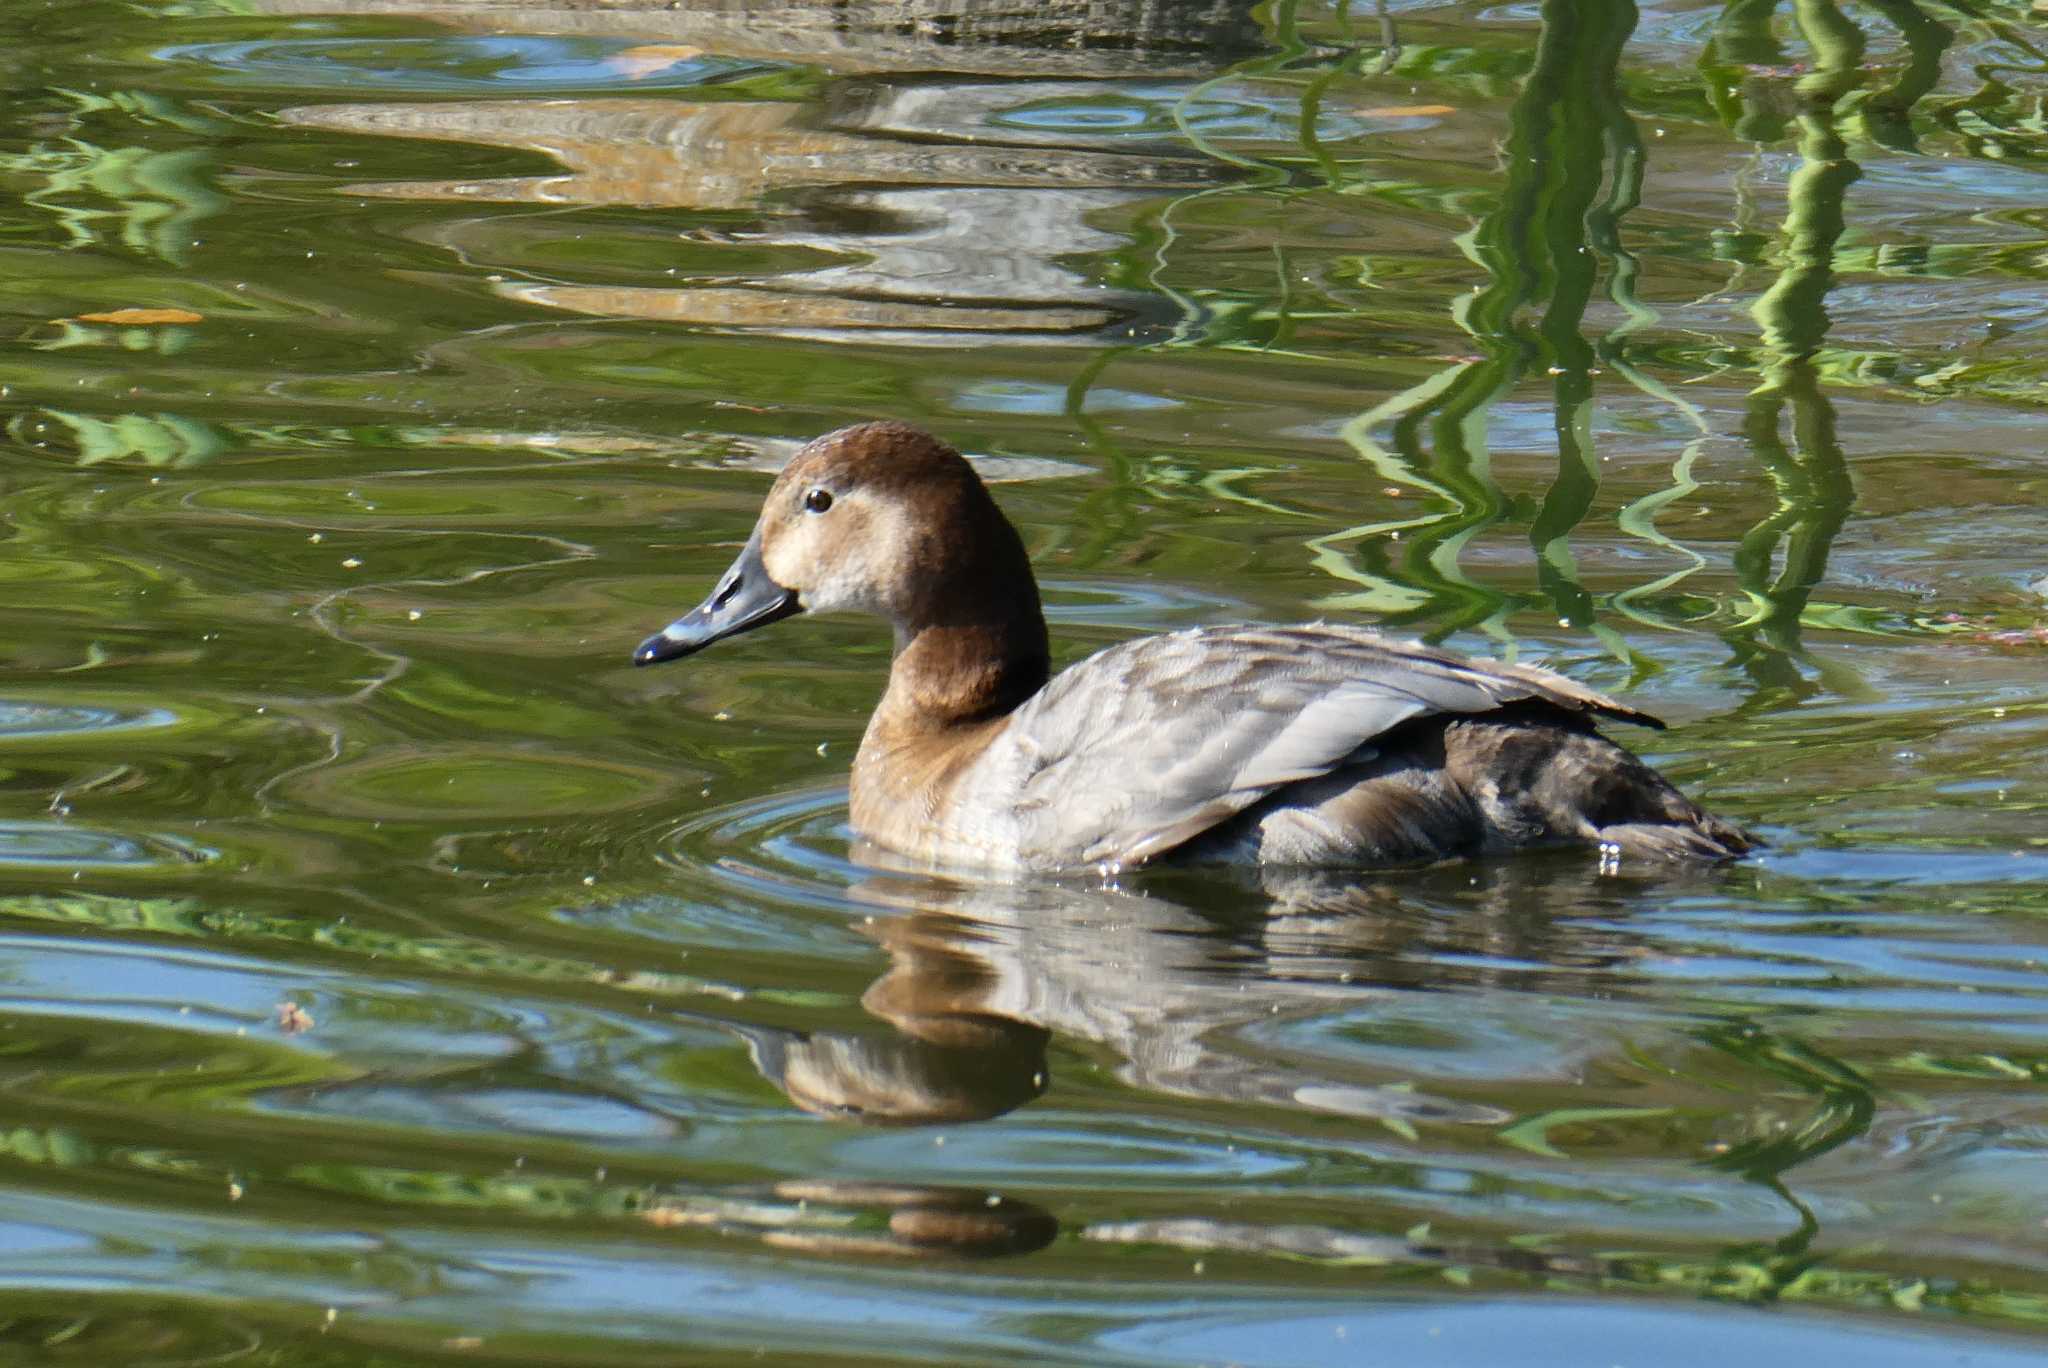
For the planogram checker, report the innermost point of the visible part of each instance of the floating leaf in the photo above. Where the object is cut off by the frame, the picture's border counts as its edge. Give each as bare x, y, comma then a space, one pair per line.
142, 317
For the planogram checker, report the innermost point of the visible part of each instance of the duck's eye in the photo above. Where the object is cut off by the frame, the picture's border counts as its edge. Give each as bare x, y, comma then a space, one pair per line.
818, 500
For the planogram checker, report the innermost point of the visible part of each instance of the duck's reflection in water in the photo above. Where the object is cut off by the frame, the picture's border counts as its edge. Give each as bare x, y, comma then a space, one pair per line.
1174, 978
822, 1216
949, 1059
1178, 980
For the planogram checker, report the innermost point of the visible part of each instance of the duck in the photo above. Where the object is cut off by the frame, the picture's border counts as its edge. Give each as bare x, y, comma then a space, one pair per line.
1318, 744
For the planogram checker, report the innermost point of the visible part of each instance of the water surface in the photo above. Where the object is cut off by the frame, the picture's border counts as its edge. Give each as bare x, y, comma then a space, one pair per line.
389, 973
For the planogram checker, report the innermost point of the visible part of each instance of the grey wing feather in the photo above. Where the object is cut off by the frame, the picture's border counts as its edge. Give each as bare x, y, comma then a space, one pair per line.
1143, 746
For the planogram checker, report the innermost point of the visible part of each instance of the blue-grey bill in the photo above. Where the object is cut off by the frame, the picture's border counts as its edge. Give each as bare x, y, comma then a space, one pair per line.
745, 598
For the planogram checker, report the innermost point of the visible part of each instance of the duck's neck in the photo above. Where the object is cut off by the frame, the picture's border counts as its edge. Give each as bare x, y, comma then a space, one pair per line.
966, 670
970, 647
951, 688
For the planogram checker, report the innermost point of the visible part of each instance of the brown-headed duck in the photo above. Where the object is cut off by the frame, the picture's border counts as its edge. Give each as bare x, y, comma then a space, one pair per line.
1319, 744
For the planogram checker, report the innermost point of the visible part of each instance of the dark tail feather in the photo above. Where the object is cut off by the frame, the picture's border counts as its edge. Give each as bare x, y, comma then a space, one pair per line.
1706, 837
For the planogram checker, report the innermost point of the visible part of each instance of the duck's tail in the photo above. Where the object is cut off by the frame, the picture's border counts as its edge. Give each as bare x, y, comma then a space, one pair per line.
1703, 837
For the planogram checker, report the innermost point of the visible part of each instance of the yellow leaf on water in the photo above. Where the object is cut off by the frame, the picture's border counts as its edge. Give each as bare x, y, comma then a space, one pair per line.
1407, 111
140, 317
648, 58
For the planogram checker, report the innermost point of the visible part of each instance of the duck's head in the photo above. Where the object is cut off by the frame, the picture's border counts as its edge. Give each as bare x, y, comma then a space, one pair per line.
881, 518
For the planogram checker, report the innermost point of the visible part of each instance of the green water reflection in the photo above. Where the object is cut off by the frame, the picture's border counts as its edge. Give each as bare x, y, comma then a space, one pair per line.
389, 973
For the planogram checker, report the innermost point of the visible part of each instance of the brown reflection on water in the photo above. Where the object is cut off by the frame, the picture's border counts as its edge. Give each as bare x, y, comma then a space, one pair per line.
862, 1219
1171, 989
1066, 38
936, 218
953, 1055
978, 247
982, 978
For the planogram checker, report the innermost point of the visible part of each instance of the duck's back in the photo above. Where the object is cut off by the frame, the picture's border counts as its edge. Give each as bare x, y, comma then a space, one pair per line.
1313, 744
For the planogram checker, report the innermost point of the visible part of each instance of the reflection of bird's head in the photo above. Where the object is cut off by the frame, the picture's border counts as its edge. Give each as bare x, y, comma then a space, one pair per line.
898, 1080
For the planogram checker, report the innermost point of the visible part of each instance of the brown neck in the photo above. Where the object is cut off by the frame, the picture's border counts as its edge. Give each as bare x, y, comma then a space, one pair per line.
970, 636
960, 673
970, 640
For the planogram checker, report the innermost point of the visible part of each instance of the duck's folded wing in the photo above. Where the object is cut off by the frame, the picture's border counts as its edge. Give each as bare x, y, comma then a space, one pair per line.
1143, 746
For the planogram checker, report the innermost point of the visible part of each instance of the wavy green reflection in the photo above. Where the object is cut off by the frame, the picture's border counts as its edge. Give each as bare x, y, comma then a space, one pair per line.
148, 199
1574, 169
1810, 475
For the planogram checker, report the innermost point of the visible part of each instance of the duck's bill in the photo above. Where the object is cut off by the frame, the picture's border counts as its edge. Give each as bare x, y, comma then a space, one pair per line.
745, 598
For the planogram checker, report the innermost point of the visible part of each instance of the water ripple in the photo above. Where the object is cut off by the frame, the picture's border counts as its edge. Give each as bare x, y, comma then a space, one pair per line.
24, 719
785, 848
66, 845
475, 65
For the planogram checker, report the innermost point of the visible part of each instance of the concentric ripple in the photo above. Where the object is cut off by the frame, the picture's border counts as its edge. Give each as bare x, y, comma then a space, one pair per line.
478, 782
788, 847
